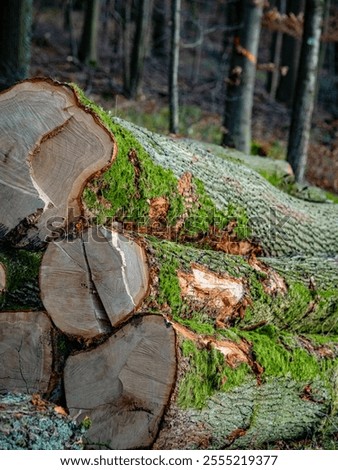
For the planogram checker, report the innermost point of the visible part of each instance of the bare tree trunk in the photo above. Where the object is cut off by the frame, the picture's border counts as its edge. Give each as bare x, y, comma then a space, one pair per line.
323, 44
241, 81
88, 46
174, 61
160, 21
305, 88
276, 49
139, 47
69, 26
15, 30
290, 58
126, 25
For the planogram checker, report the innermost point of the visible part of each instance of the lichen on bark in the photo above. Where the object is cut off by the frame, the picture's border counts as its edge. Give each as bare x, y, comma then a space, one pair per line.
244, 275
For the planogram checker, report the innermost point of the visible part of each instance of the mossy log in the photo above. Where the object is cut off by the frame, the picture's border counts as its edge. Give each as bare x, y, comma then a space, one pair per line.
204, 315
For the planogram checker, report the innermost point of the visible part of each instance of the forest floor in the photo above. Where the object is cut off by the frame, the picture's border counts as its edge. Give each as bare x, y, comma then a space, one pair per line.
202, 91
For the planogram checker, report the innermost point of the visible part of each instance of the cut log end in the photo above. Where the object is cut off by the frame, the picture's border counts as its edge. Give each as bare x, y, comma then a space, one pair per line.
26, 352
50, 146
124, 385
94, 283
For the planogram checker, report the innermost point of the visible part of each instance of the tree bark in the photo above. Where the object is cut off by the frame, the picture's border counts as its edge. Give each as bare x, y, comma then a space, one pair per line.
68, 27
160, 31
303, 104
219, 309
139, 47
126, 34
174, 62
241, 80
88, 47
275, 56
15, 31
290, 58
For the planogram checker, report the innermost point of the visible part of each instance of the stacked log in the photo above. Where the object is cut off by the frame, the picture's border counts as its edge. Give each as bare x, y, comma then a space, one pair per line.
166, 296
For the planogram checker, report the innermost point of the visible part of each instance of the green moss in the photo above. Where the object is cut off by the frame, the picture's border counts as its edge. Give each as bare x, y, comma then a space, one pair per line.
127, 192
304, 310
207, 374
322, 339
22, 271
236, 377
280, 355
127, 195
331, 197
204, 216
169, 288
86, 423
199, 322
287, 184
300, 309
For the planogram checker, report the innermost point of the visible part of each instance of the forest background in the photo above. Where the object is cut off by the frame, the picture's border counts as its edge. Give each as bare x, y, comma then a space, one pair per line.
121, 53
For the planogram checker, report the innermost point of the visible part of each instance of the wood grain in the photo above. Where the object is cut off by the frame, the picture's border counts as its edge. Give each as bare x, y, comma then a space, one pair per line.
26, 352
124, 385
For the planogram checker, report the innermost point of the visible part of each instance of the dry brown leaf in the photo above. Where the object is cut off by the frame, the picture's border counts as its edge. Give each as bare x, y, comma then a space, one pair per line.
61, 411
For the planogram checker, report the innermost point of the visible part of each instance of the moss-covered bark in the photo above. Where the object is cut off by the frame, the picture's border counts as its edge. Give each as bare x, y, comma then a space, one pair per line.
281, 224
247, 276
287, 387
22, 280
292, 333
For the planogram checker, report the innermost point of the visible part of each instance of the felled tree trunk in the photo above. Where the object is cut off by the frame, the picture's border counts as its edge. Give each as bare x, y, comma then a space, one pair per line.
187, 304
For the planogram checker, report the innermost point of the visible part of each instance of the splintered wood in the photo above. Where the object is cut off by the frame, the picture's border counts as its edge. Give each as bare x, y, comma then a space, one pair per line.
221, 295
2, 278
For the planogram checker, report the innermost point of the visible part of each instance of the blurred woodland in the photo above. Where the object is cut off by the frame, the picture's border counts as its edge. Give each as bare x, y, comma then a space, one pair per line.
122, 53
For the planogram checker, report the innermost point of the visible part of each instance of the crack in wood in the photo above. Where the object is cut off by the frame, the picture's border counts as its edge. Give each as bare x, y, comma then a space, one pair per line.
101, 315
115, 244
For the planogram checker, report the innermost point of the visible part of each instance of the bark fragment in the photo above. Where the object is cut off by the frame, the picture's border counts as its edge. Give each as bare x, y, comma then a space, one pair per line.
2, 278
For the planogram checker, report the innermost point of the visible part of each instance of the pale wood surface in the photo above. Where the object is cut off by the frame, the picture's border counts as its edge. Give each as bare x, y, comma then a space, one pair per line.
26, 354
3, 278
124, 385
93, 283
49, 147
